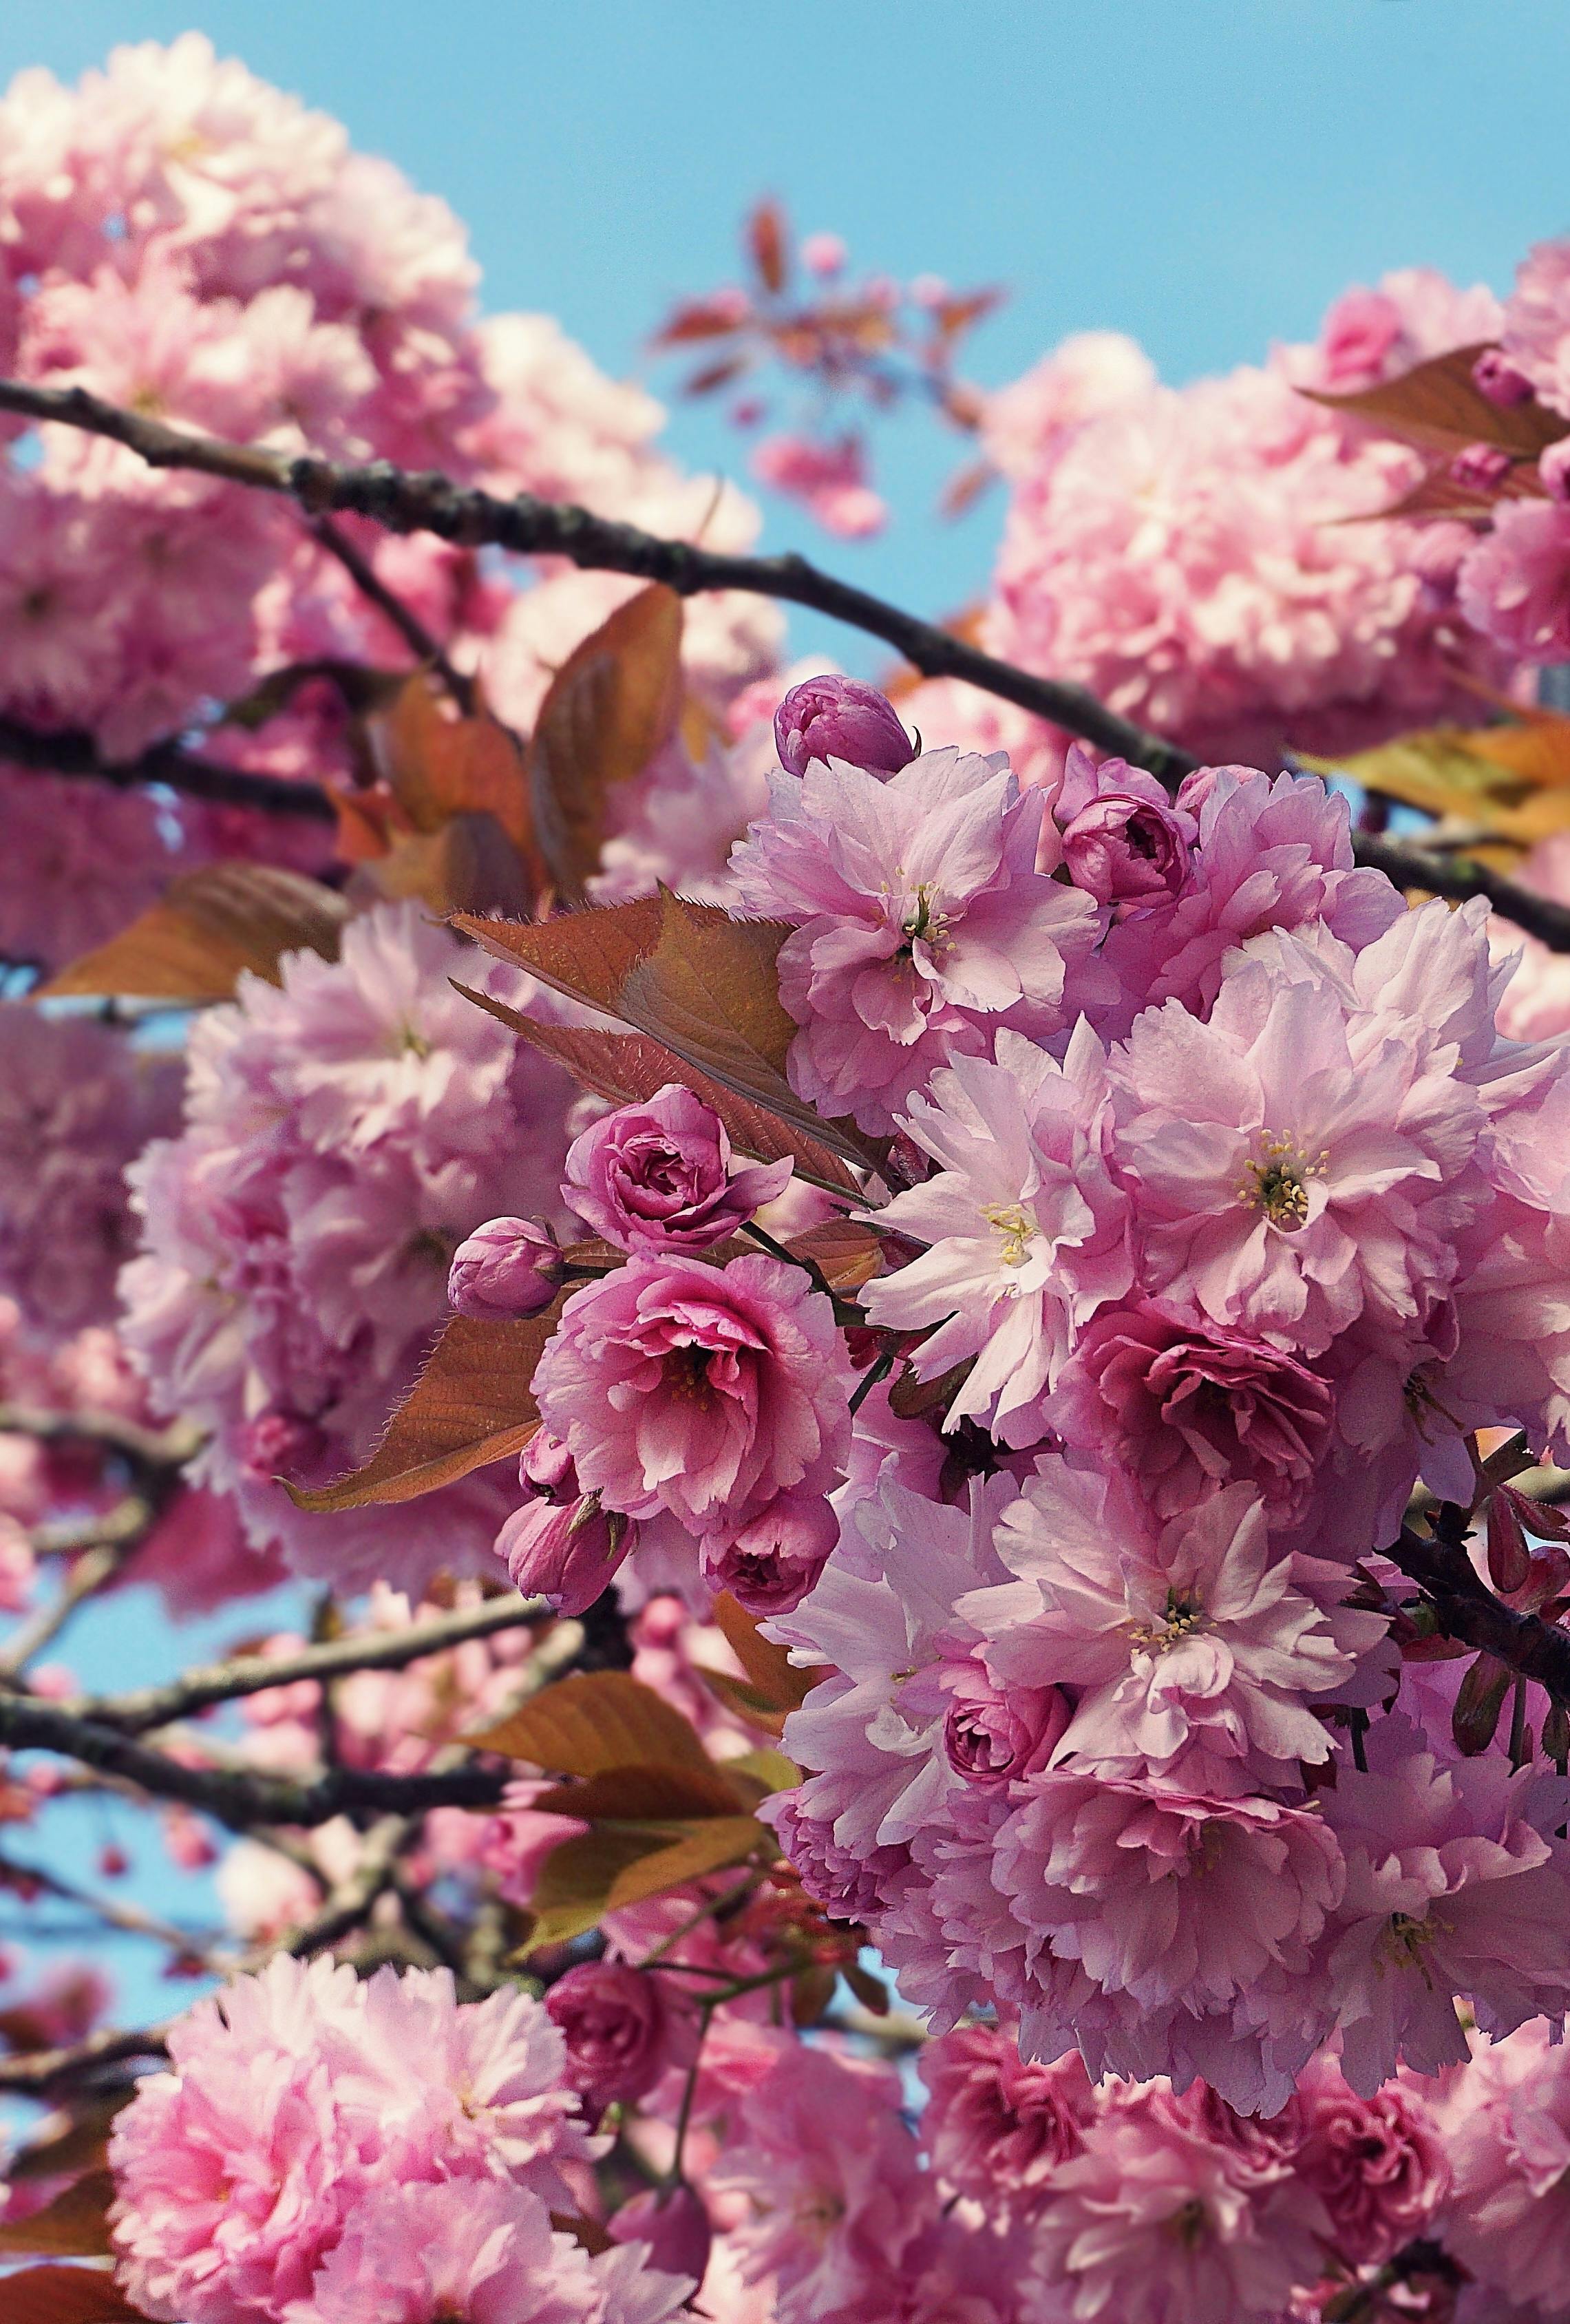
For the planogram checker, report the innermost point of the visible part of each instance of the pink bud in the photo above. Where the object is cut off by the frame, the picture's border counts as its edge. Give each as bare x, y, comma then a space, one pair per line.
840, 718
1554, 470
1123, 850
661, 1176
562, 1545
280, 1443
1480, 468
773, 1561
508, 1268
613, 2020
673, 2223
1495, 376
822, 253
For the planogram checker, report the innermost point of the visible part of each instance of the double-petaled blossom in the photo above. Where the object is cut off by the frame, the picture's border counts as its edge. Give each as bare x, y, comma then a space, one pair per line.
920, 924
1027, 1231
660, 1176
709, 1395
1188, 1643
1504, 2116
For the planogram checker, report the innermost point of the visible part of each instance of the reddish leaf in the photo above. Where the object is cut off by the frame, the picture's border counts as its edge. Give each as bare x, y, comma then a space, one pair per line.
469, 864
647, 1795
612, 704
64, 2295
698, 319
700, 983
628, 1067
1544, 1518
844, 1251
1439, 407
965, 488
74, 2225
768, 1667
210, 926
438, 765
706, 1847
587, 1725
470, 1406
713, 376
768, 238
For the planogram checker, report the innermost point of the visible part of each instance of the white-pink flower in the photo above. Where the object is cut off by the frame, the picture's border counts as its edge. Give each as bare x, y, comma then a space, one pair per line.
920, 922
1027, 1231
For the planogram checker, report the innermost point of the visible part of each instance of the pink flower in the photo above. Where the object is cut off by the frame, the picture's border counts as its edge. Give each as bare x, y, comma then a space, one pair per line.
1301, 1159
1157, 2221
1190, 1407
830, 480
1454, 1885
830, 2172
1514, 586
420, 2254
777, 1555
1378, 2164
1189, 1642
996, 2127
833, 717
613, 2021
1504, 2118
1027, 1230
920, 922
1123, 842
506, 1268
660, 1176
1536, 338
702, 1391
1270, 854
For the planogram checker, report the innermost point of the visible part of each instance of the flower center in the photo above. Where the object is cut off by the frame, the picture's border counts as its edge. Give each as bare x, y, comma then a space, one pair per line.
1184, 1616
1275, 1179
1015, 1229
685, 1374
1190, 2224
1406, 1940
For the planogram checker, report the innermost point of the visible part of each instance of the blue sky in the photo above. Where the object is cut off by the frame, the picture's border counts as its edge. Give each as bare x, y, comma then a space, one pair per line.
1206, 174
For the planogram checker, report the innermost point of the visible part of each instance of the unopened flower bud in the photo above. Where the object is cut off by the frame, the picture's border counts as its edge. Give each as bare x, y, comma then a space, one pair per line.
614, 2021
840, 718
1554, 470
1127, 851
280, 1443
564, 1552
1480, 467
1495, 376
507, 1269
673, 2223
773, 1561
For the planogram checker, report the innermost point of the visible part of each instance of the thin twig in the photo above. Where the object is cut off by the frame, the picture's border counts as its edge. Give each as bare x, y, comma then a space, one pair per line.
152, 1449
408, 626
196, 1690
1468, 1610
130, 1918
1415, 867
528, 526
36, 2073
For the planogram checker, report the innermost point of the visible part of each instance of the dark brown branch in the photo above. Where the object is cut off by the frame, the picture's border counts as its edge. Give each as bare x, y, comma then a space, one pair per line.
427, 502
1456, 880
240, 1798
37, 2073
78, 755
408, 626
1469, 1611
157, 1706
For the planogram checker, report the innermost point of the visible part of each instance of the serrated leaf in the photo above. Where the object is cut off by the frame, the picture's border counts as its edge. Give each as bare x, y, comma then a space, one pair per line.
709, 1846
74, 2225
1439, 407
593, 1722
438, 765
471, 1405
703, 984
629, 1067
65, 2295
211, 925
614, 702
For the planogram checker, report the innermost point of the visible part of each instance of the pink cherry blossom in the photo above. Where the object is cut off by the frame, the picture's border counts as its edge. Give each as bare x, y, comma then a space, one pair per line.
997, 2129
1379, 2165
1027, 1231
920, 922
660, 1176
1504, 2116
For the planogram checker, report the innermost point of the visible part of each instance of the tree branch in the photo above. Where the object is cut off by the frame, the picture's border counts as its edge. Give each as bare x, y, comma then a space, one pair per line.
77, 754
425, 502
195, 1690
1470, 1611
37, 2072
